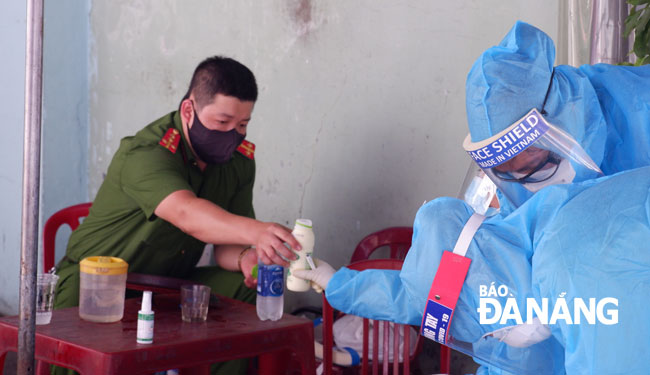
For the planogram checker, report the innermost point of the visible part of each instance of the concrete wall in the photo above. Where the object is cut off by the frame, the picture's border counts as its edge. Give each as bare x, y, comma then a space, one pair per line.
361, 111
64, 136
360, 116
65, 110
12, 92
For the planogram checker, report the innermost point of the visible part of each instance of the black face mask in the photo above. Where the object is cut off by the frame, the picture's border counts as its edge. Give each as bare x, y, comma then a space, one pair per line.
213, 146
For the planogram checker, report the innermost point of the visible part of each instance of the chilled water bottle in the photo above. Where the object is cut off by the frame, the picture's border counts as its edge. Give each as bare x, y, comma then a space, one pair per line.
270, 291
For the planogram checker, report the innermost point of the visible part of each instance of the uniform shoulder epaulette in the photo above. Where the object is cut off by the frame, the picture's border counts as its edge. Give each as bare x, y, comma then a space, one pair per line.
170, 140
247, 149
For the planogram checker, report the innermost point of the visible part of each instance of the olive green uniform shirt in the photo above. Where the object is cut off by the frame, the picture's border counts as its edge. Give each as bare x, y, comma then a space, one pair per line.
122, 223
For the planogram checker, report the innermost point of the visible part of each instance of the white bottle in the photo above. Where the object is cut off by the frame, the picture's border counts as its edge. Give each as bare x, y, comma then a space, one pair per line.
145, 320
303, 232
270, 291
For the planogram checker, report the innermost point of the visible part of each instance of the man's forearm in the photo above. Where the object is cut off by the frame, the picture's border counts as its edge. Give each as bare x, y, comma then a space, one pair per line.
206, 221
210, 223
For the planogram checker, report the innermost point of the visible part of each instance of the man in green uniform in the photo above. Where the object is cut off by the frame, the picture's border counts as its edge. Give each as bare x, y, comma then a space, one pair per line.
181, 182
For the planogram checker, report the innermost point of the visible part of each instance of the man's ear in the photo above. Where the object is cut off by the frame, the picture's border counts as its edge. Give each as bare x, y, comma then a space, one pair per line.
187, 111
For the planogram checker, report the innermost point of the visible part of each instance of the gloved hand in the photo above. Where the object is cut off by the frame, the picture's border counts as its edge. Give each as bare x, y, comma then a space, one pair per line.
522, 335
319, 277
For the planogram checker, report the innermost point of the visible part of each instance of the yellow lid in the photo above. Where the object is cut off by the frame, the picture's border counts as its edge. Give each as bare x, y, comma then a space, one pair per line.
103, 266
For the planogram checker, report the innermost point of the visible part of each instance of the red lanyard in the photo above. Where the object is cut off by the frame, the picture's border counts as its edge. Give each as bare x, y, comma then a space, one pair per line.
447, 284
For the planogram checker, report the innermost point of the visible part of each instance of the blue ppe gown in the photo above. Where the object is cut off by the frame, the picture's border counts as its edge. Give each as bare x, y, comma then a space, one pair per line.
582, 240
576, 246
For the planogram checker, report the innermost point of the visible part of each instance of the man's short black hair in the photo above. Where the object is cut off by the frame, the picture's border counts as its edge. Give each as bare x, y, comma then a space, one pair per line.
221, 75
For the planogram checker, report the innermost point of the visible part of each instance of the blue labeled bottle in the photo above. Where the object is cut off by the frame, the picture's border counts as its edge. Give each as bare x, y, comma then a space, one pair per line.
270, 291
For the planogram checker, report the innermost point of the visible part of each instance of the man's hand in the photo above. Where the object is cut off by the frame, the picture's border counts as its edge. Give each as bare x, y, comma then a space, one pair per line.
269, 244
248, 261
319, 277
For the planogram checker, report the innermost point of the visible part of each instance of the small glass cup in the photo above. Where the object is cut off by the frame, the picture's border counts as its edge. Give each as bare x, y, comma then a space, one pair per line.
194, 302
45, 289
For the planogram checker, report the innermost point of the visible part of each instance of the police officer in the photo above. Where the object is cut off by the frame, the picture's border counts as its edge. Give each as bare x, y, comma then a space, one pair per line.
181, 182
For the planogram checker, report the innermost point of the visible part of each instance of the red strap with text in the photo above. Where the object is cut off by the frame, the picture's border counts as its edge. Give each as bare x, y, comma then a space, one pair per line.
447, 284
443, 296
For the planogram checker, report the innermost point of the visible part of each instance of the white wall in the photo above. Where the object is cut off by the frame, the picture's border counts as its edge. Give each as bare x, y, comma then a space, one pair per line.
65, 110
360, 116
12, 93
361, 111
64, 130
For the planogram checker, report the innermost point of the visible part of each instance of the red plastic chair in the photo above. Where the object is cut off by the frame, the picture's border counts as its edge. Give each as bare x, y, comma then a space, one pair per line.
397, 238
328, 339
70, 215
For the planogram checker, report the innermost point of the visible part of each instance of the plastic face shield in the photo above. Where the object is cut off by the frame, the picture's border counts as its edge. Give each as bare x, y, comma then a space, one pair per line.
530, 155
478, 190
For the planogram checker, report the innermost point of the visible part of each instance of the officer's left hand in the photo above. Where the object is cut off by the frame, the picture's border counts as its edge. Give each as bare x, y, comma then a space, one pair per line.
248, 261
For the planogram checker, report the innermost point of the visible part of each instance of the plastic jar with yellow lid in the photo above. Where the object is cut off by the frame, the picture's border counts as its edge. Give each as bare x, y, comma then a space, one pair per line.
102, 288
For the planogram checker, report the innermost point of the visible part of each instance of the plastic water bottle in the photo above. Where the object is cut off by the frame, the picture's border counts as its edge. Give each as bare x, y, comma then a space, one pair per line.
270, 291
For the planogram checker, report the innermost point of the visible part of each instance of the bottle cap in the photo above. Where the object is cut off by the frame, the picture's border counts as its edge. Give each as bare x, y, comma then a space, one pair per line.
303, 223
146, 302
105, 266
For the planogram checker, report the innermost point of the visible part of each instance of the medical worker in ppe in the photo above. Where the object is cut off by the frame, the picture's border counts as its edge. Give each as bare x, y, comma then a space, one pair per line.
542, 134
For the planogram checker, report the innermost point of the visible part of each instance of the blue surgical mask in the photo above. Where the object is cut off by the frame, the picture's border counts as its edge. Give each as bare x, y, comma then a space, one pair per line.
213, 146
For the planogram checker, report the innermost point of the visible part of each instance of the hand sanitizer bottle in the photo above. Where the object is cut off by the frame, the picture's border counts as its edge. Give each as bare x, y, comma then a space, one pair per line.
145, 320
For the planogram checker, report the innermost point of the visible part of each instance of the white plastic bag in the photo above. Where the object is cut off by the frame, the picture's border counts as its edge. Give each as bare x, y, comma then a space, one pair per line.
348, 332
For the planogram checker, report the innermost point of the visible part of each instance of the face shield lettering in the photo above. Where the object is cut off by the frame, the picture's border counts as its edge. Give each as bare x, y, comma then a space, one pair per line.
530, 155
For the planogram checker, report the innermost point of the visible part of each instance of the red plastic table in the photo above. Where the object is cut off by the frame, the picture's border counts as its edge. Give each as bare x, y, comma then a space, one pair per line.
231, 331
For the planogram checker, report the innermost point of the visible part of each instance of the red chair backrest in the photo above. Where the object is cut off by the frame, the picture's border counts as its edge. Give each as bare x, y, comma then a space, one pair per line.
398, 239
70, 215
328, 339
